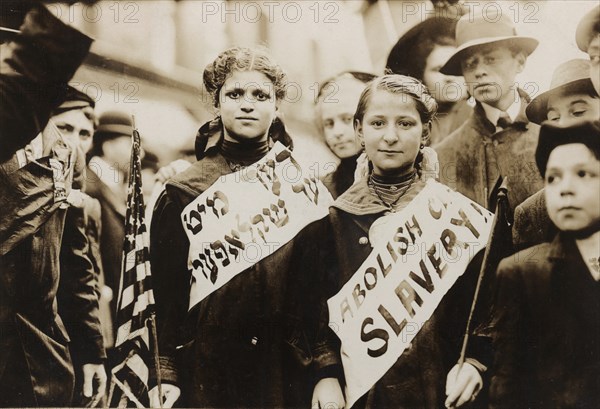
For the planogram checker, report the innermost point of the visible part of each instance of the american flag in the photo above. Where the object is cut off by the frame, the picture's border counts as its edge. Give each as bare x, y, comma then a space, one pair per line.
135, 342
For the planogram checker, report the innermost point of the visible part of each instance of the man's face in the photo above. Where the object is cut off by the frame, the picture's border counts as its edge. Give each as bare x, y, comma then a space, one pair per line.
594, 53
490, 72
572, 187
75, 126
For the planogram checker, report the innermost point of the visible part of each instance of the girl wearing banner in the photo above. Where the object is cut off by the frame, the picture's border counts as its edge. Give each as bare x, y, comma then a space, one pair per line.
393, 121
248, 343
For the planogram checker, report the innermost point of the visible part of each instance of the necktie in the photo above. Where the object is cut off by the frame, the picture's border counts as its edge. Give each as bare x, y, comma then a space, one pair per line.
504, 121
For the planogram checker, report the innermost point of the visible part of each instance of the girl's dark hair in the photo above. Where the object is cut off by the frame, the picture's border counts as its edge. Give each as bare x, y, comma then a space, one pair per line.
243, 59
409, 55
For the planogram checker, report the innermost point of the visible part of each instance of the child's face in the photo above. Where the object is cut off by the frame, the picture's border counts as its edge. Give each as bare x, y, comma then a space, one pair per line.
564, 109
572, 187
444, 88
490, 73
336, 108
594, 53
247, 105
392, 132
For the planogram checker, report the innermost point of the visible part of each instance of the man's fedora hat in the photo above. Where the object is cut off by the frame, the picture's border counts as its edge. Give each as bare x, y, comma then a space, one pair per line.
112, 125
476, 31
588, 27
572, 76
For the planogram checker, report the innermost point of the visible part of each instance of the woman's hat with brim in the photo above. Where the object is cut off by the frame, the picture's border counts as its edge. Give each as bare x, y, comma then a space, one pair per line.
572, 76
477, 31
112, 125
551, 136
587, 29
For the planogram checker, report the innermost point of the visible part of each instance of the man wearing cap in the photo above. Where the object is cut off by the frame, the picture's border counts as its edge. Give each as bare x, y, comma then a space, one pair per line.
107, 183
43, 55
588, 41
497, 140
570, 99
37, 186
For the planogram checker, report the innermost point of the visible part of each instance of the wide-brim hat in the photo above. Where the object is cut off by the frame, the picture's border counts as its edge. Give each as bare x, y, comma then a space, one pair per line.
477, 31
587, 28
112, 125
551, 136
572, 76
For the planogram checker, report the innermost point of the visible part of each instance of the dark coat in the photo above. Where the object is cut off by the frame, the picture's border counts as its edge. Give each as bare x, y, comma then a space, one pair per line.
252, 342
418, 378
446, 122
338, 181
113, 208
547, 330
32, 330
34, 72
475, 155
532, 223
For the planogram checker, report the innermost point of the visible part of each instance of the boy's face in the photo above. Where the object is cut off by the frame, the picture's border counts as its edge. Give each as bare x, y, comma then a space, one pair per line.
564, 109
490, 71
572, 187
594, 52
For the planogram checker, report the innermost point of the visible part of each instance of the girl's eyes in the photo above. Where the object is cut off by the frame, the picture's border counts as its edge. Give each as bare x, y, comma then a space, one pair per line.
405, 124
262, 96
377, 124
234, 95
551, 179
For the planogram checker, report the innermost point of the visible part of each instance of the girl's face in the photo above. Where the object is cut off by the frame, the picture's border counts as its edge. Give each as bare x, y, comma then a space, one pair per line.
247, 105
564, 108
572, 187
392, 132
444, 88
336, 107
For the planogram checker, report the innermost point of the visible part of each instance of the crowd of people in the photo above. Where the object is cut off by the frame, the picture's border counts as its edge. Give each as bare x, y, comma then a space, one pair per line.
446, 110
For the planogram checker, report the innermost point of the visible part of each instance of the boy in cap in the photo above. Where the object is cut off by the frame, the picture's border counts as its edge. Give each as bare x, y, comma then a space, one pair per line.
547, 309
570, 99
497, 140
107, 183
588, 41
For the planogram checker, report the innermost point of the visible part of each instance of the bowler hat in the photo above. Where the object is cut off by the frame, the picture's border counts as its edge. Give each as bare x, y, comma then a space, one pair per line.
587, 28
476, 31
112, 125
551, 136
573, 76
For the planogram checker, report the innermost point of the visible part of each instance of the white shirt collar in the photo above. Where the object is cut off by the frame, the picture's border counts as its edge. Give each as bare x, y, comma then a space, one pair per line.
493, 114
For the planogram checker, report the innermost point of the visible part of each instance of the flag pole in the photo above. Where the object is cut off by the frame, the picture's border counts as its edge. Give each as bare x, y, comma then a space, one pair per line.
156, 357
502, 191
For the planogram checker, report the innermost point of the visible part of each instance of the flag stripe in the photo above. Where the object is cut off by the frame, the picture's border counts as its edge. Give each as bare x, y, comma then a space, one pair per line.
136, 299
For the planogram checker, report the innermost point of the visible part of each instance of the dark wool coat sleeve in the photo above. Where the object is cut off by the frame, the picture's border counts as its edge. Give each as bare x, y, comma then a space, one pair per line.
532, 223
77, 291
34, 72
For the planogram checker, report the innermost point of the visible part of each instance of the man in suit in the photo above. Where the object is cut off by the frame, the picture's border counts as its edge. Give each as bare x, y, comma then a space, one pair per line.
497, 140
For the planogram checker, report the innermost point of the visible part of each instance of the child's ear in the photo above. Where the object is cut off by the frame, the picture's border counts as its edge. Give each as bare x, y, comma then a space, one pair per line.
426, 133
358, 130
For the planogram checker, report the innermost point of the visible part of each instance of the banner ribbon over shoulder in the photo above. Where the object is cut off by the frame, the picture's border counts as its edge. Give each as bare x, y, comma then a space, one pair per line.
418, 254
247, 215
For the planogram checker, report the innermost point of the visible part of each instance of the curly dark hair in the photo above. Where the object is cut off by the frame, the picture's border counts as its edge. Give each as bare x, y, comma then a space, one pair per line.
243, 59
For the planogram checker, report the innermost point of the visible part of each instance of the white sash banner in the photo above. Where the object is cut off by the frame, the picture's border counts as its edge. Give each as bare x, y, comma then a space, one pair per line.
247, 215
418, 254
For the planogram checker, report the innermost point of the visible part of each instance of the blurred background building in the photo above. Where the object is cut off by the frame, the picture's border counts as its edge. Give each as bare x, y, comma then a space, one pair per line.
149, 56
